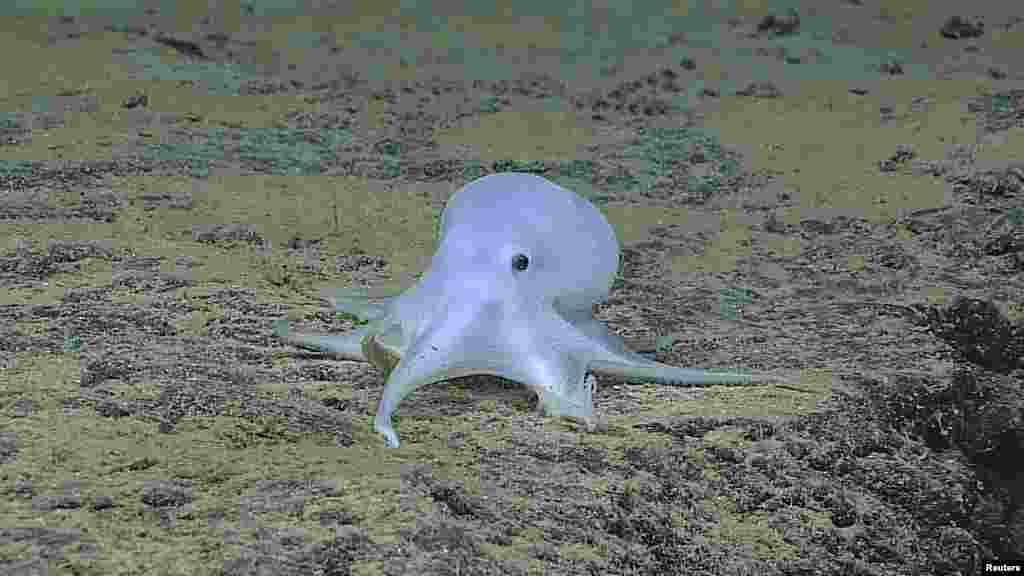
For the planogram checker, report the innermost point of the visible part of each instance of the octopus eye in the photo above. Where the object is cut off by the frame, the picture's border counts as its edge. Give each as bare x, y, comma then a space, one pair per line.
520, 262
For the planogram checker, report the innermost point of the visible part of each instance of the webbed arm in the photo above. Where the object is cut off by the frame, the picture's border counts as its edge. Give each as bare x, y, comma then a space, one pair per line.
347, 346
651, 371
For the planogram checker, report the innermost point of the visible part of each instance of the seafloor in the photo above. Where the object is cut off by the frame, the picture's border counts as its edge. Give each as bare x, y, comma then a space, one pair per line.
831, 192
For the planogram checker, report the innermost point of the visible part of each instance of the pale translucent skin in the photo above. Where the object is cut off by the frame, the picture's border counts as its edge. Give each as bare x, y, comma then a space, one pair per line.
482, 309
